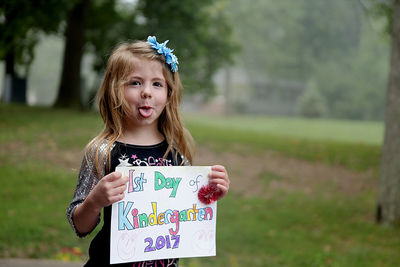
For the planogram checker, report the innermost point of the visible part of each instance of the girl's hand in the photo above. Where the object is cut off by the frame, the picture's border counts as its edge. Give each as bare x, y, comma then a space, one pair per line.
108, 190
219, 178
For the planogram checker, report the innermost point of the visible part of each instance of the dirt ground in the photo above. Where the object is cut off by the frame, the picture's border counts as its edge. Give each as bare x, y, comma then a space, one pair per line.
260, 174
251, 174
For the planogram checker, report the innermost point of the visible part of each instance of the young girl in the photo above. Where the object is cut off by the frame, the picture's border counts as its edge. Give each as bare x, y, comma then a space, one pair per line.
138, 101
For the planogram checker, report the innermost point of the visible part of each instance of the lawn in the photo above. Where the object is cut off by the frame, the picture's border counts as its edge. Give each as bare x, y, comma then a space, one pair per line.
330, 143
331, 225
367, 132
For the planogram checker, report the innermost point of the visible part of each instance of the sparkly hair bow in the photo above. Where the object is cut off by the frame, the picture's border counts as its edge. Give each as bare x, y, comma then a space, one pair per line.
161, 49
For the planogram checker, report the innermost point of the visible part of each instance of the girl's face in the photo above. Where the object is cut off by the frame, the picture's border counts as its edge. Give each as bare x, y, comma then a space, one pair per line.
146, 93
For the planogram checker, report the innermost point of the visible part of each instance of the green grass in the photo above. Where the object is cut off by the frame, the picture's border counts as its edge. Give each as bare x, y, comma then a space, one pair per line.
296, 230
30, 125
285, 229
357, 156
35, 188
346, 131
34, 199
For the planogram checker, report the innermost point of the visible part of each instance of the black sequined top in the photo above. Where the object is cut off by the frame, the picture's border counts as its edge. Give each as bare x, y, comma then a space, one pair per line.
121, 155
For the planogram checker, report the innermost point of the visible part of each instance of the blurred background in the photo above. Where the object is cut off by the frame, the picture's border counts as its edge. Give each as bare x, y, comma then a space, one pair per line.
303, 58
289, 95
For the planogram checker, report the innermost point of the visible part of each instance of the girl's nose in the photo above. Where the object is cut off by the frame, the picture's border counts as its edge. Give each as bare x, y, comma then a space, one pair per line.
146, 91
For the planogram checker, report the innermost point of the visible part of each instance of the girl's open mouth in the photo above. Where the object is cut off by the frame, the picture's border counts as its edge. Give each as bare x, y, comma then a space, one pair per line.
145, 111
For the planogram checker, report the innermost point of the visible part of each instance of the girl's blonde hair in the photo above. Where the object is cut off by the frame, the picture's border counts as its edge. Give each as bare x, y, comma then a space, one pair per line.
114, 109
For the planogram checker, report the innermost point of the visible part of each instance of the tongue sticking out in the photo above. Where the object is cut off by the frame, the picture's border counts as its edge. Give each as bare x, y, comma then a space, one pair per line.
145, 112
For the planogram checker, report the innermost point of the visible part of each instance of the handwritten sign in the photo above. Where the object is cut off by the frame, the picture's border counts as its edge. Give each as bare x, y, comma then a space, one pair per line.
161, 216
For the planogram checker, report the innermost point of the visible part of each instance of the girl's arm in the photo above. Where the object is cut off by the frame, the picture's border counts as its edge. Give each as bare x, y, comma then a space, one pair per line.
108, 190
88, 211
87, 180
219, 177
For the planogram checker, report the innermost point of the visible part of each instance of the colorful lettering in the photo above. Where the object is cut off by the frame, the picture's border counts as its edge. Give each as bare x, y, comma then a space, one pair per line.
136, 184
161, 182
123, 221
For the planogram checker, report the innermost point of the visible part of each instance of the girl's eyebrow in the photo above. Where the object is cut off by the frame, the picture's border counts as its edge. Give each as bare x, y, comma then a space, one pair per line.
158, 79
134, 76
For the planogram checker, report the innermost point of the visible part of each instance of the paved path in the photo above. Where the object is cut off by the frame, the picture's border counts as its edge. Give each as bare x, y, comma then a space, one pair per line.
37, 263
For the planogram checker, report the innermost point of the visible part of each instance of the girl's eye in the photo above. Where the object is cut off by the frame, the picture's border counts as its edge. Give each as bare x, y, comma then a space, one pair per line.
134, 83
157, 84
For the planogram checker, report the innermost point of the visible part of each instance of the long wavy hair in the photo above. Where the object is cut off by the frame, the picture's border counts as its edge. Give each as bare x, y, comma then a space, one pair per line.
114, 109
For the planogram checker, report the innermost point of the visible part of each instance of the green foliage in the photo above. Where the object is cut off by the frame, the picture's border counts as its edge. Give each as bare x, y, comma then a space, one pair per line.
311, 103
198, 31
286, 38
355, 87
332, 42
21, 22
109, 25
381, 9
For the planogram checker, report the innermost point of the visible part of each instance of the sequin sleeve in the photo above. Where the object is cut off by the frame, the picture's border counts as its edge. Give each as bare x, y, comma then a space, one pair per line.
87, 180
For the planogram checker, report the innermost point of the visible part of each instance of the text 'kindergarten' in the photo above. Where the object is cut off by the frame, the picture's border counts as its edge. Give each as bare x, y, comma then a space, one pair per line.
129, 217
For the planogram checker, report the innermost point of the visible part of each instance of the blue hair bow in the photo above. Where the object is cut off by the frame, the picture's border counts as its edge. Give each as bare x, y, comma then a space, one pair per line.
162, 49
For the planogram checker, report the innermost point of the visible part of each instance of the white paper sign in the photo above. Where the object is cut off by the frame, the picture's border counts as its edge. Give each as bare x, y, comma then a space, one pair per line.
161, 216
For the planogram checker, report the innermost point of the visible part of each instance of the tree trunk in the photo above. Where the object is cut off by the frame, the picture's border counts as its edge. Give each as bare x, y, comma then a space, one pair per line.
10, 62
388, 203
9, 76
69, 94
14, 88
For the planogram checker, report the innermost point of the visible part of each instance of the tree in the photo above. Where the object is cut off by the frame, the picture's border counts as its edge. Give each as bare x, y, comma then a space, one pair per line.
93, 26
388, 202
69, 93
332, 42
197, 30
20, 23
311, 104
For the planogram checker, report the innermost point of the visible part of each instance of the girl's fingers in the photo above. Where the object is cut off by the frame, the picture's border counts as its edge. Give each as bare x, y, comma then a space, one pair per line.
219, 176
223, 189
116, 198
215, 174
219, 168
119, 182
115, 194
111, 177
118, 190
219, 181
124, 180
